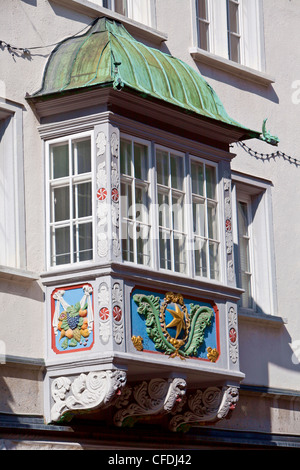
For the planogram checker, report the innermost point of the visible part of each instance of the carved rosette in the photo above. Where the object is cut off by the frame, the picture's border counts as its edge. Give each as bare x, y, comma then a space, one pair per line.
115, 194
104, 313
117, 313
156, 397
228, 227
209, 405
102, 193
86, 392
232, 335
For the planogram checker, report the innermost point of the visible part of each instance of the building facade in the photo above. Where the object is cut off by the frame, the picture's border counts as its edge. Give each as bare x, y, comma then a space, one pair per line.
150, 211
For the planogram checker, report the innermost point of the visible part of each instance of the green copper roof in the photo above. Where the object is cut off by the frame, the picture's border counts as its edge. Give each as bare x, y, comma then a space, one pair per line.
107, 55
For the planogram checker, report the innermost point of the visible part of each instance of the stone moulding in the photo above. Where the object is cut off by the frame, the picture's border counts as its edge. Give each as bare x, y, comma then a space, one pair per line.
156, 397
204, 406
85, 393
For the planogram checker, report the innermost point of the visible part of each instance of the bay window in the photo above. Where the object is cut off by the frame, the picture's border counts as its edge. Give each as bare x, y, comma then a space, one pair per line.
172, 211
70, 201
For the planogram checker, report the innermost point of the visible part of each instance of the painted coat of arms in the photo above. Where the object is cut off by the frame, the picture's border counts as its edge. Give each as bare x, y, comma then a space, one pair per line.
175, 326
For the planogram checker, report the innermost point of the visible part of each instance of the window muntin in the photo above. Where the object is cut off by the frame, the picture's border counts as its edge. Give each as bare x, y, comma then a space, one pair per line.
70, 201
136, 227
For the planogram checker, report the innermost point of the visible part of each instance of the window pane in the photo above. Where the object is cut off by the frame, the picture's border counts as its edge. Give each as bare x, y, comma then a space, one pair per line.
61, 200
244, 254
162, 167
197, 178
59, 160
165, 249
83, 242
233, 16
214, 260
83, 199
127, 240
164, 209
178, 212
210, 181
81, 151
125, 156
212, 220
141, 161
242, 218
61, 253
179, 243
126, 201
199, 225
121, 7
141, 204
203, 35
200, 247
246, 298
234, 48
202, 9
176, 172
143, 245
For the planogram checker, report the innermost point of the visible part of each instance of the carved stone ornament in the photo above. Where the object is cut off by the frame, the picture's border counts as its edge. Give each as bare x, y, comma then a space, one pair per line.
232, 335
209, 405
156, 397
86, 392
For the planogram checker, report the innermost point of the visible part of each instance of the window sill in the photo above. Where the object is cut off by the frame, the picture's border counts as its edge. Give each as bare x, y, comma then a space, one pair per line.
16, 274
261, 318
241, 71
89, 8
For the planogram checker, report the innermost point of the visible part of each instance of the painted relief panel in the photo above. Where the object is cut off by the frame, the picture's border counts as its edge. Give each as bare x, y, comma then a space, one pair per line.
72, 318
167, 323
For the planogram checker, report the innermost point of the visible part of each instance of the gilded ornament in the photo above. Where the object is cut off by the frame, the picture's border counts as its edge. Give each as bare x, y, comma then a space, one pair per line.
137, 342
212, 354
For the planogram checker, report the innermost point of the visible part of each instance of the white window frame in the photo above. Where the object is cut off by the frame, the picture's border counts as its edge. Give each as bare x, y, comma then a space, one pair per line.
12, 206
73, 220
147, 16
258, 193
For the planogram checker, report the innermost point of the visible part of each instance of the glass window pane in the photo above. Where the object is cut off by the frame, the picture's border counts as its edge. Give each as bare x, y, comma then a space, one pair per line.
203, 35
244, 254
61, 253
141, 161
176, 172
81, 151
212, 220
214, 260
197, 178
179, 244
199, 225
210, 181
165, 249
83, 199
127, 240
59, 160
83, 242
121, 7
233, 16
200, 247
126, 201
234, 48
202, 9
61, 201
164, 209
125, 157
162, 167
143, 245
242, 218
141, 204
246, 298
178, 212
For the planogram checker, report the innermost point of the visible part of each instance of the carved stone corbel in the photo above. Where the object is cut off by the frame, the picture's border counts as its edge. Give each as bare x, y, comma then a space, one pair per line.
209, 405
86, 392
156, 397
